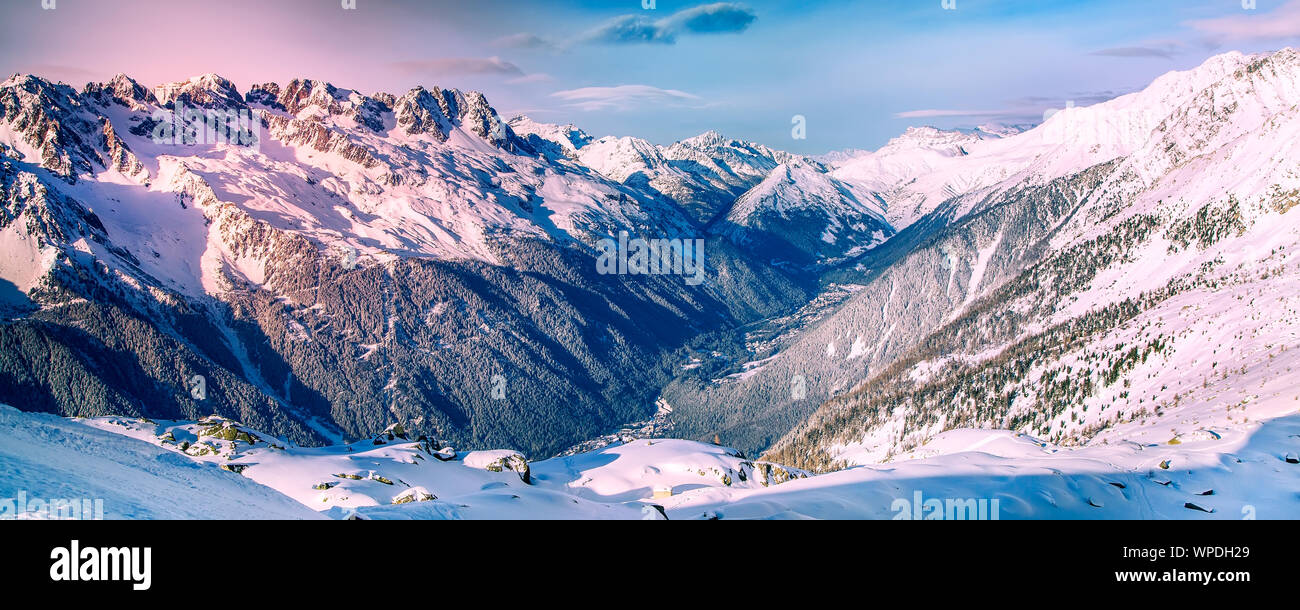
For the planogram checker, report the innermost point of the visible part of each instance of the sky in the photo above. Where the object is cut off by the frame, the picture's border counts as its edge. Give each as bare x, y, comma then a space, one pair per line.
853, 73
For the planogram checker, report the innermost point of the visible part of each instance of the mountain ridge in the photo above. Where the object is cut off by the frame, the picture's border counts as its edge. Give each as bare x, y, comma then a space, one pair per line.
397, 237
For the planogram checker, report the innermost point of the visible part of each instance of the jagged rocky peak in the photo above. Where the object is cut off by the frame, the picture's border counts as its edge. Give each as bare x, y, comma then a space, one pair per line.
264, 94
479, 117
30, 86
714, 142
735, 162
418, 111
51, 119
436, 112
708, 139
206, 91
303, 93
69, 137
385, 98
123, 91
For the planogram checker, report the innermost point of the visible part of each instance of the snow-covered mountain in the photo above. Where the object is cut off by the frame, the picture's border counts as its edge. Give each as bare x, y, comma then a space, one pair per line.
556, 140
898, 174
1092, 317
727, 164
1115, 305
368, 255
1092, 222
703, 174
799, 213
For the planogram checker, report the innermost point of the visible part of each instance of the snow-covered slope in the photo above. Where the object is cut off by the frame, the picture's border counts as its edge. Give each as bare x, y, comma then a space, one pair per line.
703, 174
984, 284
1241, 471
349, 263
1156, 293
145, 469
392, 476
52, 458
917, 172
727, 163
800, 213
556, 140
892, 173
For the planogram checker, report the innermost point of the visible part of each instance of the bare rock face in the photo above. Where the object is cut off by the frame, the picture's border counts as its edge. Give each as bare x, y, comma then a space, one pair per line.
118, 155
52, 120
500, 460
479, 117
123, 91
419, 112
265, 94
436, 112
302, 93
206, 91
69, 134
317, 135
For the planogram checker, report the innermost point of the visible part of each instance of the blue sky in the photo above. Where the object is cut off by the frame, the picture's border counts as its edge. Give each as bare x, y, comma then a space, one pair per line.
860, 71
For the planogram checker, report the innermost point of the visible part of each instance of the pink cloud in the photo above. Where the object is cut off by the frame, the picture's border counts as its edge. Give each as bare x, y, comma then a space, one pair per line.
1283, 22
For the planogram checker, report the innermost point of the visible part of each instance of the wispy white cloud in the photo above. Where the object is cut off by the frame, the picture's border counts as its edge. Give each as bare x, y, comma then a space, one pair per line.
1022, 110
523, 40
716, 18
460, 65
1253, 25
623, 97
1135, 52
538, 77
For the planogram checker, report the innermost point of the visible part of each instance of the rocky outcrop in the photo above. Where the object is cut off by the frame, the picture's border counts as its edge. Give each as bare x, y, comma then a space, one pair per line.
118, 155
500, 461
122, 90
52, 120
318, 136
206, 91
436, 112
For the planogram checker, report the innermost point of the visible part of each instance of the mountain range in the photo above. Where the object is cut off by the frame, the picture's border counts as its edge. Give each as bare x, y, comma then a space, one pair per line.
1121, 275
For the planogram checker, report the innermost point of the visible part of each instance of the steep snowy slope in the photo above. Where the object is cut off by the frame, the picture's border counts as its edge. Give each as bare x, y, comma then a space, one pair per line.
919, 171
800, 214
641, 164
892, 172
51, 458
368, 256
555, 140
726, 163
1185, 245
991, 267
